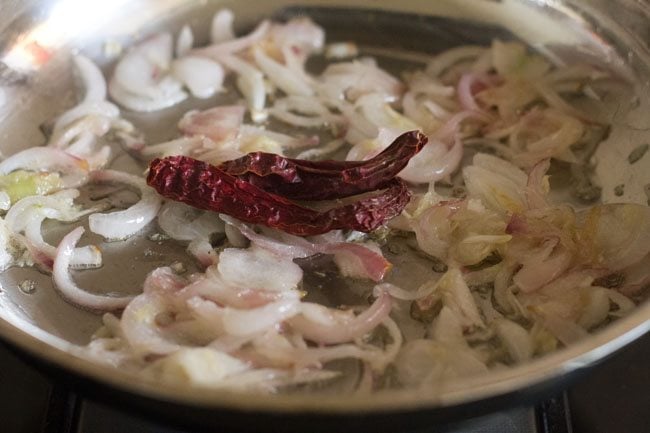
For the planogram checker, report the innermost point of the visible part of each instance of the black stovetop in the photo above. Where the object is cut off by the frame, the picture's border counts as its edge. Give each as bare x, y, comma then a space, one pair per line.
613, 398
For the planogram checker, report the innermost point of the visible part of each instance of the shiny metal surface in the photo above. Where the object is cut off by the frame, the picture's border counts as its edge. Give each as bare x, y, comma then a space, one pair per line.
36, 84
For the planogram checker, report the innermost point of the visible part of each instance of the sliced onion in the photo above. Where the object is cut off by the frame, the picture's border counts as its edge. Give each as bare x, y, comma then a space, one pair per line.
398, 293
138, 71
203, 77
511, 60
564, 330
433, 163
140, 329
169, 92
238, 322
319, 152
595, 309
203, 251
57, 205
184, 41
361, 261
622, 234
179, 146
564, 131
537, 187
272, 272
286, 247
218, 123
185, 223
357, 260
75, 170
421, 83
97, 108
426, 363
225, 48
456, 295
196, 366
354, 79
341, 50
636, 277
92, 78
327, 326
124, 224
557, 102
465, 92
221, 29
250, 82
312, 112
235, 236
214, 288
497, 183
67, 287
624, 304
451, 128
447, 328
443, 61
542, 266
281, 76
301, 35
163, 281
84, 257
515, 338
92, 125
141, 82
433, 229
96, 158
5, 201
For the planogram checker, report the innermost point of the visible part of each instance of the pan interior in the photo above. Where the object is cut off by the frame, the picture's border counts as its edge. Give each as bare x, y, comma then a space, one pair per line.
399, 34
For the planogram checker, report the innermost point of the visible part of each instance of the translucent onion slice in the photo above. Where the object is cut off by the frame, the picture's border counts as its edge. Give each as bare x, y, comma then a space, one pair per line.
75, 170
97, 108
124, 224
67, 287
196, 366
218, 124
213, 287
141, 82
443, 61
221, 29
92, 78
185, 223
140, 329
184, 41
328, 326
139, 70
169, 92
360, 261
622, 233
515, 338
250, 82
272, 272
6, 258
301, 35
435, 162
248, 322
58, 205
203, 77
83, 258
281, 76
225, 48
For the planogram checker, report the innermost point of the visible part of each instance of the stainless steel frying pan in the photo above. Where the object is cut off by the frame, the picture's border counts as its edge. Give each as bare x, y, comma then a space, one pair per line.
36, 84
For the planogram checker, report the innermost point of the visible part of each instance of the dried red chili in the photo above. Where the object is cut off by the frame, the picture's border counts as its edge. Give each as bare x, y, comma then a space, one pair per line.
323, 180
205, 186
